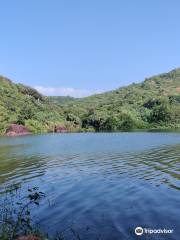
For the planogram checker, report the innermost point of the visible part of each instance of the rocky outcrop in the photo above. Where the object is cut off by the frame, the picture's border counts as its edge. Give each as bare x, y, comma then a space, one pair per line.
60, 129
16, 130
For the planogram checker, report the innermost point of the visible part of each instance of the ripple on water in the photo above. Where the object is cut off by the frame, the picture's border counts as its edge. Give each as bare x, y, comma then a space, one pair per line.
111, 190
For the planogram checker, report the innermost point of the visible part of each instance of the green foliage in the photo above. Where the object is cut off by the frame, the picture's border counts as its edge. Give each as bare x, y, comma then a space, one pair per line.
35, 126
160, 113
154, 103
15, 214
96, 121
62, 100
73, 118
127, 122
30, 92
23, 105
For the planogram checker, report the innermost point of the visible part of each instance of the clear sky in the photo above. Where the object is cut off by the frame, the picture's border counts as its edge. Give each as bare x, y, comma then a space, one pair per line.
79, 47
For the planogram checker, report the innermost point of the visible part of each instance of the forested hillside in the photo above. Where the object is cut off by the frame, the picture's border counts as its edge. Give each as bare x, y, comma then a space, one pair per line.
20, 104
62, 100
154, 103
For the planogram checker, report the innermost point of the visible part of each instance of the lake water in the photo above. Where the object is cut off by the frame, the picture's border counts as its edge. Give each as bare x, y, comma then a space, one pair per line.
105, 184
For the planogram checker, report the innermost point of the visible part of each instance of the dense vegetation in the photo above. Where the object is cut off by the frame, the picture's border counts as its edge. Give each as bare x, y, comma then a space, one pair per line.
61, 100
23, 105
154, 103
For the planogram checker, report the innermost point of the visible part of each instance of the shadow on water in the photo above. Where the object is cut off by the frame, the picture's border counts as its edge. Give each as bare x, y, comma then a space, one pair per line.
16, 167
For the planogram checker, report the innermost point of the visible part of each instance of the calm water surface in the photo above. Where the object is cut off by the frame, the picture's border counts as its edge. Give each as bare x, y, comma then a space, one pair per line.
104, 184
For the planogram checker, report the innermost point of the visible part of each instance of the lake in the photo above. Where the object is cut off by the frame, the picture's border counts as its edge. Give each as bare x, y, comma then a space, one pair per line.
105, 184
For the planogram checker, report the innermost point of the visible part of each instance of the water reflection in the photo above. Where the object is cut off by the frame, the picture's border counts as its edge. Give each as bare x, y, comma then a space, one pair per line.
17, 168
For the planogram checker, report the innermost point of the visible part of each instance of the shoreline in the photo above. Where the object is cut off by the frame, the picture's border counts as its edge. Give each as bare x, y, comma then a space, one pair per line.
151, 130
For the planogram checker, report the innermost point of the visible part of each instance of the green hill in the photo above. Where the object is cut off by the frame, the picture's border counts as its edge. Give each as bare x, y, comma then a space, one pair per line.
154, 103
24, 105
62, 100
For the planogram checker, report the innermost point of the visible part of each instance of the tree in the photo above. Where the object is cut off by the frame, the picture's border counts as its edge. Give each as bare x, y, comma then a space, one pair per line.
160, 113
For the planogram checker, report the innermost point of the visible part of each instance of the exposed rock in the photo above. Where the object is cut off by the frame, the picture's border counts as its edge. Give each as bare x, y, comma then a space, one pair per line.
60, 129
16, 130
29, 237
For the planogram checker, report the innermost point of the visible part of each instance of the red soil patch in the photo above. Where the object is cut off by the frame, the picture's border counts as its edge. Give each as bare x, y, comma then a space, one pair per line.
16, 130
178, 89
60, 129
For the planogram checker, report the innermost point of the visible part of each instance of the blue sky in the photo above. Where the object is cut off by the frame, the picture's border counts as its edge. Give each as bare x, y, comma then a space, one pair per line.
79, 47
